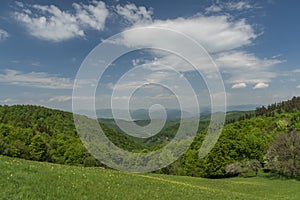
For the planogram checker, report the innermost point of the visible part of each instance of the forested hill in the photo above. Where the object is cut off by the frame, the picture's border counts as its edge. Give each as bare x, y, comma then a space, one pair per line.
43, 134
284, 106
271, 110
38, 118
266, 140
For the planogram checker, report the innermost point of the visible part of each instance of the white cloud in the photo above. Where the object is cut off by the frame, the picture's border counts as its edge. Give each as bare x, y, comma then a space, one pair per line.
241, 5
246, 67
8, 101
136, 62
54, 25
35, 79
236, 59
51, 23
166, 62
20, 4
65, 98
213, 8
133, 14
296, 71
220, 36
158, 86
239, 85
215, 33
298, 86
261, 85
230, 6
93, 16
3, 34
60, 98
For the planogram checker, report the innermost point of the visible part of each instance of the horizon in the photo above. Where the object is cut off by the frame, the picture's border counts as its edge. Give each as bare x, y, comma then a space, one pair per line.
184, 114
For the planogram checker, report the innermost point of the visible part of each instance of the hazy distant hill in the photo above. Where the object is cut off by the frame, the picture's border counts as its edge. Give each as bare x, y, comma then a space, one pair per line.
143, 114
172, 114
244, 107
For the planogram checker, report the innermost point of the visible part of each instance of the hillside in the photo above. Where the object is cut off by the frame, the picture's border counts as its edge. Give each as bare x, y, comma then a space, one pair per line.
244, 142
267, 139
43, 134
171, 126
21, 179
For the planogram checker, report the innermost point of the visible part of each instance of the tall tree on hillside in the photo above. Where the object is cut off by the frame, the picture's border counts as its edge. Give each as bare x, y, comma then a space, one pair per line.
38, 148
283, 156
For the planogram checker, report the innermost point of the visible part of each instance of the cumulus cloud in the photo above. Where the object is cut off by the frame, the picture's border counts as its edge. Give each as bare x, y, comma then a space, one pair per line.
53, 24
215, 33
92, 16
133, 14
3, 34
239, 85
222, 36
35, 79
261, 85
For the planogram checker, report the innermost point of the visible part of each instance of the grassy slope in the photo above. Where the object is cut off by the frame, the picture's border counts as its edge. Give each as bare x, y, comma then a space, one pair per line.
21, 179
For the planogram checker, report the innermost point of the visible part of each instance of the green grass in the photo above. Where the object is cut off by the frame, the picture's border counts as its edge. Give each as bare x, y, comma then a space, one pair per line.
22, 179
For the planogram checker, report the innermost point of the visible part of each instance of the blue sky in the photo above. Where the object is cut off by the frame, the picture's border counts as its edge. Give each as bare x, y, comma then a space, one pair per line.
255, 45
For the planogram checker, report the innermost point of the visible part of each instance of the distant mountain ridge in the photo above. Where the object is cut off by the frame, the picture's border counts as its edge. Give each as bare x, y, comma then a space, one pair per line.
172, 114
142, 114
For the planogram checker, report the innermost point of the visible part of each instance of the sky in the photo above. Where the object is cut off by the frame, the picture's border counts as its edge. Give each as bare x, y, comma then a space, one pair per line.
253, 45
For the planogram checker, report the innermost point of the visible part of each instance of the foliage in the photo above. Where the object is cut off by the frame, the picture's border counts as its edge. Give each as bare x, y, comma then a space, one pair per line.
244, 167
283, 156
242, 146
240, 141
42, 134
284, 106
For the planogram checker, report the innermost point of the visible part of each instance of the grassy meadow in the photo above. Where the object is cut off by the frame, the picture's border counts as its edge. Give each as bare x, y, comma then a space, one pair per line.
23, 179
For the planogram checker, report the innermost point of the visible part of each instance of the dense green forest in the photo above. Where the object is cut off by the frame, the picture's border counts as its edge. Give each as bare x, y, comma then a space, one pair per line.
265, 139
42, 134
